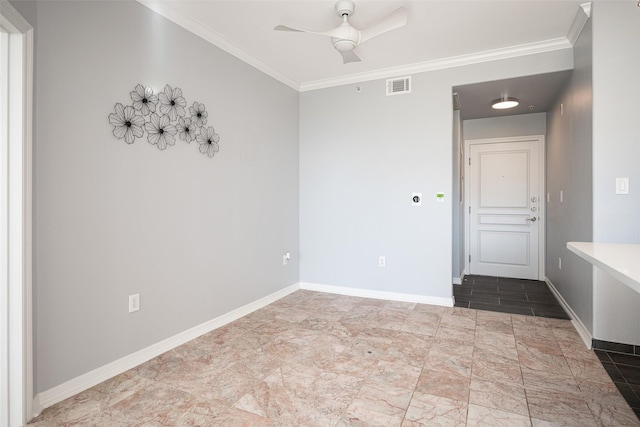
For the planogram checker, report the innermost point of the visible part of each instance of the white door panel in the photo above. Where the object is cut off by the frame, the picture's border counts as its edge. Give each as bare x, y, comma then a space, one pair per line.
504, 185
504, 179
491, 244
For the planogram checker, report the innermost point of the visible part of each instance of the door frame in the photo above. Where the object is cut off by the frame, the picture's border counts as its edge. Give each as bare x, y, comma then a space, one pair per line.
16, 386
541, 182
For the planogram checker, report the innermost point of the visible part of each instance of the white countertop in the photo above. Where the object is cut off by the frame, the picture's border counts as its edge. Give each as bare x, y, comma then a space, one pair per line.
622, 261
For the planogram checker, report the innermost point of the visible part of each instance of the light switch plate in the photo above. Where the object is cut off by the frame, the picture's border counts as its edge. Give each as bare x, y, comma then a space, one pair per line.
622, 185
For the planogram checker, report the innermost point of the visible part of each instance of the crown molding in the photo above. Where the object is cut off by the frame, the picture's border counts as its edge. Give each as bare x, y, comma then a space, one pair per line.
440, 64
164, 9
192, 25
11, 19
579, 21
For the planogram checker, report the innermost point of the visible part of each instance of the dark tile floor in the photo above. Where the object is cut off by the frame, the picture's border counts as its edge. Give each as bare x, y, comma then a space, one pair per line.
517, 296
624, 370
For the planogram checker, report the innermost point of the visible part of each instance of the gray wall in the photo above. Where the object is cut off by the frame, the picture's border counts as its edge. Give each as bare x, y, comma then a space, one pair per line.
569, 169
362, 154
616, 153
506, 126
196, 237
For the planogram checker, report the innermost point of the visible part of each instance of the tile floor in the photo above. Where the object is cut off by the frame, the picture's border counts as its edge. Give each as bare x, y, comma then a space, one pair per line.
314, 359
534, 298
516, 296
624, 370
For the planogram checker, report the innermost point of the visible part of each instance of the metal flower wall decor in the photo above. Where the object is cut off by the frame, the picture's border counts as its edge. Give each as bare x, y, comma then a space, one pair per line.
164, 117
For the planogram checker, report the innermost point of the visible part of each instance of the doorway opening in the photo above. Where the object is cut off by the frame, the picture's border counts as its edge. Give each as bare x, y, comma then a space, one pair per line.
504, 215
475, 119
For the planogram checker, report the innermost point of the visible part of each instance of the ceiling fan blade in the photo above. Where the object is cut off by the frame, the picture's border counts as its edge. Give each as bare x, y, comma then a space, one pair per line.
349, 56
396, 19
335, 32
285, 28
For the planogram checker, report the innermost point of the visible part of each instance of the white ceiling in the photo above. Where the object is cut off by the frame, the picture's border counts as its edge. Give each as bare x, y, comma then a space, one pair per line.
438, 34
536, 94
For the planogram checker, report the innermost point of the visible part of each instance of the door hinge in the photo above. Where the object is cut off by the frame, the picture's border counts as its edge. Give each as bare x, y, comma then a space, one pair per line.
469, 161
469, 258
469, 209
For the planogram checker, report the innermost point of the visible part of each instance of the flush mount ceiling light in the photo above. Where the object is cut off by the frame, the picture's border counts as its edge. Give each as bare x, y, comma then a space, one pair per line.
505, 102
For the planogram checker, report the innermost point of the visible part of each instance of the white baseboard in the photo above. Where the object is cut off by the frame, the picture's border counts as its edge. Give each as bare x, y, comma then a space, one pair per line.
575, 320
79, 384
385, 295
458, 280
83, 382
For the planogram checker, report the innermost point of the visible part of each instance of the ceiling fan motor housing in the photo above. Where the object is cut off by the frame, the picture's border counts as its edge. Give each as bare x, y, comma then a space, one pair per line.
345, 7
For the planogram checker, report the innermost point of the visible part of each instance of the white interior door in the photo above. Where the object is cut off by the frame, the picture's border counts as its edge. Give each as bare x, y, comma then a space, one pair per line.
504, 182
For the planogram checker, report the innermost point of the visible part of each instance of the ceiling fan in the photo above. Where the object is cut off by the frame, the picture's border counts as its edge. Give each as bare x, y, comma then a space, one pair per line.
345, 38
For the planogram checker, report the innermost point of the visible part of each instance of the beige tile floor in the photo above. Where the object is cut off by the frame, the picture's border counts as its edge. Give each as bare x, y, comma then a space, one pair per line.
314, 359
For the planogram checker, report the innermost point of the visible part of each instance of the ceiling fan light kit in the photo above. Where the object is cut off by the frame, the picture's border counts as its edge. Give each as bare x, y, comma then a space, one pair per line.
343, 45
346, 38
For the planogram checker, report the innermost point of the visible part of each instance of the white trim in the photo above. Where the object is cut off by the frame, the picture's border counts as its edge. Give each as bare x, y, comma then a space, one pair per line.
384, 295
542, 183
28, 222
441, 64
579, 21
458, 280
19, 209
575, 320
74, 386
191, 24
164, 8
4, 231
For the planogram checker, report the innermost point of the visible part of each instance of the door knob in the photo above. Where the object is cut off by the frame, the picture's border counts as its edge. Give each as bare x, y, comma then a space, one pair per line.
534, 219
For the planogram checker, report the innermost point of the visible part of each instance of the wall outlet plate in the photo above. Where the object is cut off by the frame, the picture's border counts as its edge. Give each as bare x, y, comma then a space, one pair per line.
134, 303
622, 185
285, 258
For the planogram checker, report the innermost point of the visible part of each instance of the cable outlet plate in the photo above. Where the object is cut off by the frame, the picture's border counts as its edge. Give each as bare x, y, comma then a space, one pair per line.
134, 303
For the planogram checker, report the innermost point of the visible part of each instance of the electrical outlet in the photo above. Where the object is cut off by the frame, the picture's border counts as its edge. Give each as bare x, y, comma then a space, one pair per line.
382, 261
134, 303
285, 258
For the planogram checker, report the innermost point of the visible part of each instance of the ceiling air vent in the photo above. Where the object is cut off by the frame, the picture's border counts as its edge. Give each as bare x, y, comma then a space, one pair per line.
399, 85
